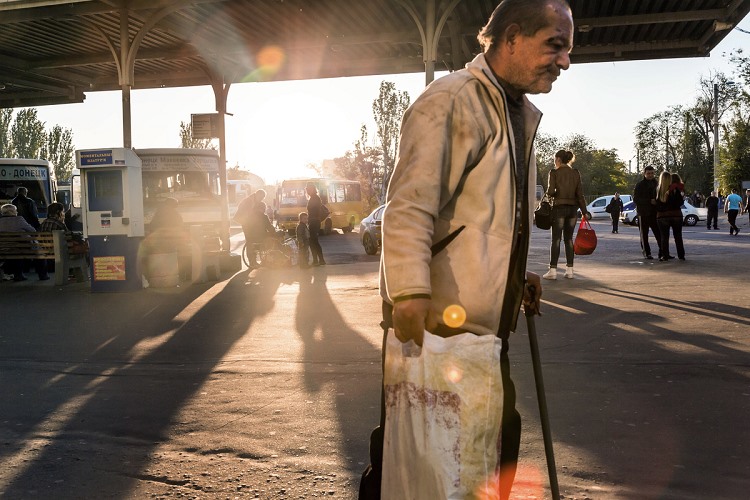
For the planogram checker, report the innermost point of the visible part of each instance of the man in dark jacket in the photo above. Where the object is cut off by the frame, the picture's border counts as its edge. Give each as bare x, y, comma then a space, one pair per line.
712, 207
26, 207
644, 196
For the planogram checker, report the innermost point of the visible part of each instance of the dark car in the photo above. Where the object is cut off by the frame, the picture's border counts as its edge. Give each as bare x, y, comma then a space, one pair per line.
370, 231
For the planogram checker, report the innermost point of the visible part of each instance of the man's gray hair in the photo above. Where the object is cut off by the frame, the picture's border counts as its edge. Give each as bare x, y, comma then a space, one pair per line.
529, 15
8, 209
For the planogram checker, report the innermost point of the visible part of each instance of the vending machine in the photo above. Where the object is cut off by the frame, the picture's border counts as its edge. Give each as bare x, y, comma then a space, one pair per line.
112, 216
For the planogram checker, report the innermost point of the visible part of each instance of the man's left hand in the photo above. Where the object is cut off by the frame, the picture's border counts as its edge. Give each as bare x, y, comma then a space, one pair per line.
532, 302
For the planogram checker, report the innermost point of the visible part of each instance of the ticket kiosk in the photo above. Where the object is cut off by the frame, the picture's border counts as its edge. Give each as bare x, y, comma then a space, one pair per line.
112, 213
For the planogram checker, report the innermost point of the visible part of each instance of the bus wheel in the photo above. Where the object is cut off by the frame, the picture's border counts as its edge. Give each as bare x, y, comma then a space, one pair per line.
328, 226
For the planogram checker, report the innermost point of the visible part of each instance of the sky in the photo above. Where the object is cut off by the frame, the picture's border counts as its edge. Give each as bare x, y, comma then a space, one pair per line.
278, 128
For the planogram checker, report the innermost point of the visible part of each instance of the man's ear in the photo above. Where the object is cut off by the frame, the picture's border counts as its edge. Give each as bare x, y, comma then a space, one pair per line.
512, 32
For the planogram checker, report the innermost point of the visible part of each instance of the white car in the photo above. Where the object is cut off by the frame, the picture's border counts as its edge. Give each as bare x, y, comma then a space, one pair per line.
690, 214
598, 207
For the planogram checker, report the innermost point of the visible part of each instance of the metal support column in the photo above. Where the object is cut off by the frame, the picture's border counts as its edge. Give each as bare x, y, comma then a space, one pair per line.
430, 28
221, 91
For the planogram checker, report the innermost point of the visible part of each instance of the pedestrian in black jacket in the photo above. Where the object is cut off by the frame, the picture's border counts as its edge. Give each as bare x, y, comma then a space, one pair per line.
614, 209
712, 207
644, 196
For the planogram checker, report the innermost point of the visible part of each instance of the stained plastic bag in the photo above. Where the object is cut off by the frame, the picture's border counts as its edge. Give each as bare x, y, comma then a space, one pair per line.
443, 414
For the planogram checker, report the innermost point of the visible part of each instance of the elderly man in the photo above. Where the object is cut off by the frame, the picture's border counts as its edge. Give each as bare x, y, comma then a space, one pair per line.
11, 222
457, 223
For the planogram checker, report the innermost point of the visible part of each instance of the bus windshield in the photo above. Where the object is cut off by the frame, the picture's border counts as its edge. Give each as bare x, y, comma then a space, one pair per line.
35, 175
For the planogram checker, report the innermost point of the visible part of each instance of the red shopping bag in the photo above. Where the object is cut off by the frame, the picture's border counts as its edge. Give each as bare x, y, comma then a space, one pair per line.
585, 242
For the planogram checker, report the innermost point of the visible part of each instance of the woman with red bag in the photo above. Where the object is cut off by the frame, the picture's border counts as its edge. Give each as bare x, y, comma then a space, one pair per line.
565, 189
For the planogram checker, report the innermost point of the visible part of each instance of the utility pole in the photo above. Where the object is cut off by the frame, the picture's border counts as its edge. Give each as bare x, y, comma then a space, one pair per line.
716, 136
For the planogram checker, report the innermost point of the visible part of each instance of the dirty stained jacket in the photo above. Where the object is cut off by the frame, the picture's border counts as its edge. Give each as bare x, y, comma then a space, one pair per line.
455, 169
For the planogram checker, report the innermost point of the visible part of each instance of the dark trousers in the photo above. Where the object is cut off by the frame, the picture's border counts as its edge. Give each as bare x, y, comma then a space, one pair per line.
732, 218
563, 224
712, 215
646, 222
369, 486
675, 223
315, 248
16, 267
615, 221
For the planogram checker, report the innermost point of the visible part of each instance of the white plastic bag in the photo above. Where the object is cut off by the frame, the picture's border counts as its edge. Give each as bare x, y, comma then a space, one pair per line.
443, 413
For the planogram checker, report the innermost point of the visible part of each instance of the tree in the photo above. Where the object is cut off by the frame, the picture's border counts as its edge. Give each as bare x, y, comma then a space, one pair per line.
6, 143
735, 154
58, 149
545, 146
362, 164
188, 141
27, 134
388, 110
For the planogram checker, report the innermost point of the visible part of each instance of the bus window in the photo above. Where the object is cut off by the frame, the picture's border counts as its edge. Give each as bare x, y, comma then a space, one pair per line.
353, 192
37, 176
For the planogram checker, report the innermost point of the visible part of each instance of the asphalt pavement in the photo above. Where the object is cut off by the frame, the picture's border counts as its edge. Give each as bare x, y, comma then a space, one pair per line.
265, 383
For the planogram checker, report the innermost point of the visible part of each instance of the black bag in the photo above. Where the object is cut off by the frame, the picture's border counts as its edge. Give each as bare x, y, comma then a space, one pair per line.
543, 214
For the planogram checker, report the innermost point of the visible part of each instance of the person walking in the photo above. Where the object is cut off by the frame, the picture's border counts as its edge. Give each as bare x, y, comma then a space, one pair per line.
712, 211
565, 189
614, 209
457, 222
747, 202
644, 196
732, 207
316, 213
670, 197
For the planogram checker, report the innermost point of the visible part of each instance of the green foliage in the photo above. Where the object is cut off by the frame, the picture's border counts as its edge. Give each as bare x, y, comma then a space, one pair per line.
187, 140
735, 166
6, 144
545, 146
58, 149
27, 134
24, 137
602, 172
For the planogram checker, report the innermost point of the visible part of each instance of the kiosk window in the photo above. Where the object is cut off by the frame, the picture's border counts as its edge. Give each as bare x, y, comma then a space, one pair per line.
105, 191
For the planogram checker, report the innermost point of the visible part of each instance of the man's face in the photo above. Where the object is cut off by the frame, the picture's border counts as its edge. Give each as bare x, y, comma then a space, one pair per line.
537, 60
648, 174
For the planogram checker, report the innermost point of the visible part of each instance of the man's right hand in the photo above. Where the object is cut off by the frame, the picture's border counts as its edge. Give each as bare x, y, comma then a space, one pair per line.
411, 318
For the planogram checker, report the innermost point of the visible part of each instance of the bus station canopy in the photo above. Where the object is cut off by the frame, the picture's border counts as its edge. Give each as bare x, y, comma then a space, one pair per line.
54, 52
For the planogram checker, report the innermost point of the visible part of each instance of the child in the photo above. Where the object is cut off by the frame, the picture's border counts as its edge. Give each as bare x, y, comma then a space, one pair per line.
303, 240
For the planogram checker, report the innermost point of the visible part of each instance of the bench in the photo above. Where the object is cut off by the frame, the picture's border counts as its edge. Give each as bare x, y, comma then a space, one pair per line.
48, 245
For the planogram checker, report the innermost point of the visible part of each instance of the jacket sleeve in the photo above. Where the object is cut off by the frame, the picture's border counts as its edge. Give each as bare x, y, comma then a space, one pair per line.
439, 138
551, 183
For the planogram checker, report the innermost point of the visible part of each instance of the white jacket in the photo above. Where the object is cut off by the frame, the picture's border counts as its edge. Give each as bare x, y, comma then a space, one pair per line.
455, 168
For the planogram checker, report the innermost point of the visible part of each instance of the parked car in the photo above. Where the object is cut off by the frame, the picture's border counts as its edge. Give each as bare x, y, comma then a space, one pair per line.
598, 207
691, 215
629, 214
370, 231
